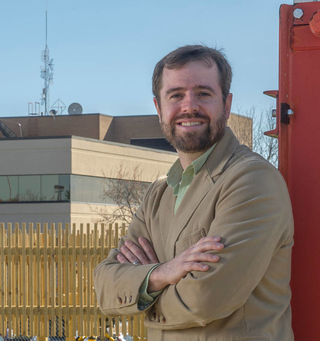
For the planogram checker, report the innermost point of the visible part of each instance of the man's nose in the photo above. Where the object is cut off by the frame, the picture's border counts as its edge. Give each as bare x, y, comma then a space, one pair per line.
190, 104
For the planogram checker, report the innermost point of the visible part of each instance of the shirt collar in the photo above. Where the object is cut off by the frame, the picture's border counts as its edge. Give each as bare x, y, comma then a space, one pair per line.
175, 172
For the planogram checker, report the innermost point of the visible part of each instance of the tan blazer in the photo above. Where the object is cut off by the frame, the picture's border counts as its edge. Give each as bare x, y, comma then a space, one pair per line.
246, 295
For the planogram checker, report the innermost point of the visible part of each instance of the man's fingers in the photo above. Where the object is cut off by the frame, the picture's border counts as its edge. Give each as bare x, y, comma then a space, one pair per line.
207, 244
122, 259
209, 239
202, 257
193, 266
134, 252
129, 255
148, 249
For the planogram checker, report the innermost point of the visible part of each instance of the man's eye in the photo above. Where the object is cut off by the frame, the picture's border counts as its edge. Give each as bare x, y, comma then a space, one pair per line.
203, 94
176, 96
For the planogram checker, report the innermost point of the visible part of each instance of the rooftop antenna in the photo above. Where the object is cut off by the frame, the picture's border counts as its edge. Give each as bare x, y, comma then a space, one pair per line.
46, 71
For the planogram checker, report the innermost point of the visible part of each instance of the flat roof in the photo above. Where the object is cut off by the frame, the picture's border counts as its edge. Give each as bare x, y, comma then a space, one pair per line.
87, 139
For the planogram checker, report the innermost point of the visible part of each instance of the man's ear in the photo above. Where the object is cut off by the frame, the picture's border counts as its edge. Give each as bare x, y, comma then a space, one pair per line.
157, 105
227, 105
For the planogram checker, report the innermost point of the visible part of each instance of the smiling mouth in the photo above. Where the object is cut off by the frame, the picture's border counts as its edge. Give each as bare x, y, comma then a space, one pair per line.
189, 124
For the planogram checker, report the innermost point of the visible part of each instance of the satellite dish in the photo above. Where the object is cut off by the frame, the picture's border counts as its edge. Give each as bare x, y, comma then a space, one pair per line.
75, 109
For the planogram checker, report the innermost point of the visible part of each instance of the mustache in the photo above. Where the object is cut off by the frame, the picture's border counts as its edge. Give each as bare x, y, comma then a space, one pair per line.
188, 116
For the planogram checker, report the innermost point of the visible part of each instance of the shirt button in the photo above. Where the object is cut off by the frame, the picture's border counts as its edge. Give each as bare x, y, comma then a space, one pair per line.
163, 319
125, 299
119, 300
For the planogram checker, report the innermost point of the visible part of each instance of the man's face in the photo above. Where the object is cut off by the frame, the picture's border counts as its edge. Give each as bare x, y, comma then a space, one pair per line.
191, 109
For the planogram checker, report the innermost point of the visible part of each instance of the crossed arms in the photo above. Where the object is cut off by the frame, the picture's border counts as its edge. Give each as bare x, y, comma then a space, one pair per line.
253, 217
171, 272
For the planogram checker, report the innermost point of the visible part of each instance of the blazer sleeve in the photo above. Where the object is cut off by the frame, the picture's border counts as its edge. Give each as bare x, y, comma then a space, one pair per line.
117, 285
253, 216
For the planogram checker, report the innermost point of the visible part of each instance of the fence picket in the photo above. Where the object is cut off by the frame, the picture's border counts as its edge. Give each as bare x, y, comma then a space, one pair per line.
38, 282
60, 279
16, 279
95, 254
9, 274
2, 279
67, 281
88, 281
46, 282
52, 281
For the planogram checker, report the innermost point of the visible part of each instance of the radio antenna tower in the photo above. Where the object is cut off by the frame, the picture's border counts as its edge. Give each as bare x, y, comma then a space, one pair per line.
46, 72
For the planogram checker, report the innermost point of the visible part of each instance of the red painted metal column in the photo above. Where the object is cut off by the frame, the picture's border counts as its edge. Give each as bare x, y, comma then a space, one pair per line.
298, 130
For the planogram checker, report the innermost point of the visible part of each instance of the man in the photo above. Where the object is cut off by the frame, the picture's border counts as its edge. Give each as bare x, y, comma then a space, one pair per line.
207, 256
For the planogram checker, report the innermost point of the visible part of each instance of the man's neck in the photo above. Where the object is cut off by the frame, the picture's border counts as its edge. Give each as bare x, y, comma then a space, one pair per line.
187, 158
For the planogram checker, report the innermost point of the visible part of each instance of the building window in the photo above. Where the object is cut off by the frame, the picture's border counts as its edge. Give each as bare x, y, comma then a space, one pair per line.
29, 188
34, 188
9, 188
67, 188
99, 190
55, 187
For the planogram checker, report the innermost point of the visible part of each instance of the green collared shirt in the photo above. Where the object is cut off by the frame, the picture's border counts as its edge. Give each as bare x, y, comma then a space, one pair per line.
179, 180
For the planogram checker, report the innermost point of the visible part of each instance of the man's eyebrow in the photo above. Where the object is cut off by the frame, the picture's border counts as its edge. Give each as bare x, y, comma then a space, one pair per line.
204, 87
169, 91
197, 87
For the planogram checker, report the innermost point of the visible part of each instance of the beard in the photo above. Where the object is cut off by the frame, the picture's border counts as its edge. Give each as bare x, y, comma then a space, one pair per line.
196, 141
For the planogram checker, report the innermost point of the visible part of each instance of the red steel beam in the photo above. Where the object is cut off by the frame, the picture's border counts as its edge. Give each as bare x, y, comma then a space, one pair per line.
298, 131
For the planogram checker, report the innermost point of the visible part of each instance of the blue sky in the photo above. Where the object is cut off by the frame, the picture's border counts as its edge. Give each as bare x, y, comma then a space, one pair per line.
105, 51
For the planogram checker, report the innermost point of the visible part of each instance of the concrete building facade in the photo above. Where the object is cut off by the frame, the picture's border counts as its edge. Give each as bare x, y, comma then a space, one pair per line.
58, 169
63, 179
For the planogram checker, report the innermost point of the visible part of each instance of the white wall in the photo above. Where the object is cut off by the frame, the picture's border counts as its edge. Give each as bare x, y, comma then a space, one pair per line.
35, 156
102, 158
35, 213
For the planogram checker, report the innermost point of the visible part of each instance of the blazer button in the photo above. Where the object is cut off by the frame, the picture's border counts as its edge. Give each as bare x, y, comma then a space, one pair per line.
119, 300
163, 319
130, 299
125, 299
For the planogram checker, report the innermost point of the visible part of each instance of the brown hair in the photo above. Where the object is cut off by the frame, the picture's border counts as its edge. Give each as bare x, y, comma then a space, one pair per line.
190, 53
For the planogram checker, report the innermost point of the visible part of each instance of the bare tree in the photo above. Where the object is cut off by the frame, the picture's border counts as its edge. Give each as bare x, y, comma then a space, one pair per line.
264, 145
126, 192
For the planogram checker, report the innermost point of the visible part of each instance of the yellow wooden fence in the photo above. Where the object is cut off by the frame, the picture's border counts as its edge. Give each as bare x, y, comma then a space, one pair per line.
46, 285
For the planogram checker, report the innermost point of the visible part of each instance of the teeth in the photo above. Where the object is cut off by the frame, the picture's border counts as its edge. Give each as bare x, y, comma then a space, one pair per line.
188, 124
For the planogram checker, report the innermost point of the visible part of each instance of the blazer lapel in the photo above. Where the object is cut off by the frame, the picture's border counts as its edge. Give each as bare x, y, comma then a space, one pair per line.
221, 154
199, 188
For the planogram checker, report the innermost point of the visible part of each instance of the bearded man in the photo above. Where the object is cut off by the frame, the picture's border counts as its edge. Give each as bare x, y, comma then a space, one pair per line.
207, 256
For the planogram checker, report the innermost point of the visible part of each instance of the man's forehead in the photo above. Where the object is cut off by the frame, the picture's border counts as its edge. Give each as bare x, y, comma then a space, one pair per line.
208, 63
195, 72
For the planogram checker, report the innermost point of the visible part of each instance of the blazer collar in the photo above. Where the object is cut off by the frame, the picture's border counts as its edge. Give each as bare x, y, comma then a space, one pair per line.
222, 153
199, 187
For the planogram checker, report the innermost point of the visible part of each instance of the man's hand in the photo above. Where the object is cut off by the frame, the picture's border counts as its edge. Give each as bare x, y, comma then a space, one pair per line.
171, 272
190, 260
132, 253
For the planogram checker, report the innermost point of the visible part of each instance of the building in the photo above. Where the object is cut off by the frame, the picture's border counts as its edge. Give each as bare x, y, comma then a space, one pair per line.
59, 169
143, 130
